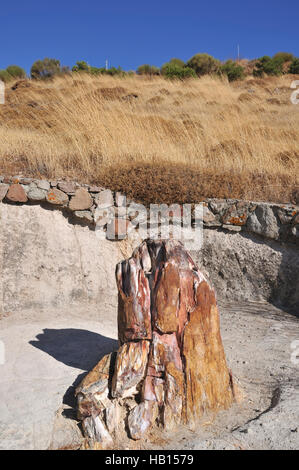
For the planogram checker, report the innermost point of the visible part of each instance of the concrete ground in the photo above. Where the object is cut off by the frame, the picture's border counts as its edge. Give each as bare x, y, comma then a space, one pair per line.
44, 355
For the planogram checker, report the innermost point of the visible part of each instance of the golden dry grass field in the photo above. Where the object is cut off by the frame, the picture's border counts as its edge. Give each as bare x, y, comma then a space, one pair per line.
155, 139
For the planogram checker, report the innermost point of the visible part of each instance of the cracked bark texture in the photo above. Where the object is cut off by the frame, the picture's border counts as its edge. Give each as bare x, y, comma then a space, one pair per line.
170, 367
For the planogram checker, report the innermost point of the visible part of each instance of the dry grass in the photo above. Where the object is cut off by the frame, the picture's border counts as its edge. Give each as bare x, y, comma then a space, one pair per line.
156, 140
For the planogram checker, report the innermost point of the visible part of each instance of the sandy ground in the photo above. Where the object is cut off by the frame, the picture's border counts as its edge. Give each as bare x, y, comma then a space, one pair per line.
44, 354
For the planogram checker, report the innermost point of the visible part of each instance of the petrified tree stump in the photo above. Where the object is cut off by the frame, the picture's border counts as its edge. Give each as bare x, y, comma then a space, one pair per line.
170, 367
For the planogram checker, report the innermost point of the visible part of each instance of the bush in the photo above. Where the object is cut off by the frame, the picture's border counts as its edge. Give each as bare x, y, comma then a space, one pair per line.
96, 70
283, 57
4, 76
15, 71
294, 67
283, 60
115, 71
233, 70
147, 69
204, 64
47, 68
173, 70
12, 72
177, 61
269, 66
277, 65
81, 66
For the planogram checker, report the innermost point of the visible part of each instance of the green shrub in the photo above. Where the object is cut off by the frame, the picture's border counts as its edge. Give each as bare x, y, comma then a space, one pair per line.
173, 70
268, 66
12, 72
272, 66
81, 66
177, 61
147, 69
47, 68
283, 57
96, 70
294, 67
115, 71
15, 71
204, 64
282, 60
4, 76
233, 70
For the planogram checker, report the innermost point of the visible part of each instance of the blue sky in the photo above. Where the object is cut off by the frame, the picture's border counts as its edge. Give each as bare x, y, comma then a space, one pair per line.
129, 33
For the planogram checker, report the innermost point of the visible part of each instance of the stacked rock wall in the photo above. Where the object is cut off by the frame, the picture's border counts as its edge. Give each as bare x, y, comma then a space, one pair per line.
272, 221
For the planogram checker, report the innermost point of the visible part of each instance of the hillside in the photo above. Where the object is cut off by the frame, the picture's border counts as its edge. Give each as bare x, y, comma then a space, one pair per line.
154, 139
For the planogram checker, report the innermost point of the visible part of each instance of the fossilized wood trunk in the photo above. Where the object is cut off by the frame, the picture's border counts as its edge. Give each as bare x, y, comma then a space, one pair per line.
170, 367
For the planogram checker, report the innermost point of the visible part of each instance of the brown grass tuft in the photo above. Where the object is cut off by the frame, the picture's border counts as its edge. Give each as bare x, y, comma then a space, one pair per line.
164, 183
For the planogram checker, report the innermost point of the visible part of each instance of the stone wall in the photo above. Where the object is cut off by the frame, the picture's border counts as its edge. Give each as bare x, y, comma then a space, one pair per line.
272, 221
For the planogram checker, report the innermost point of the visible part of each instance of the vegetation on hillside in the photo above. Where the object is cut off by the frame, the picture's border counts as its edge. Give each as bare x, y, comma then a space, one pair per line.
158, 140
47, 68
11, 73
197, 66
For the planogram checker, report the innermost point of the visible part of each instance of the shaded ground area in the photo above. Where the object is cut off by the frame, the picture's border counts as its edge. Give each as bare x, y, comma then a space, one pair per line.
47, 353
